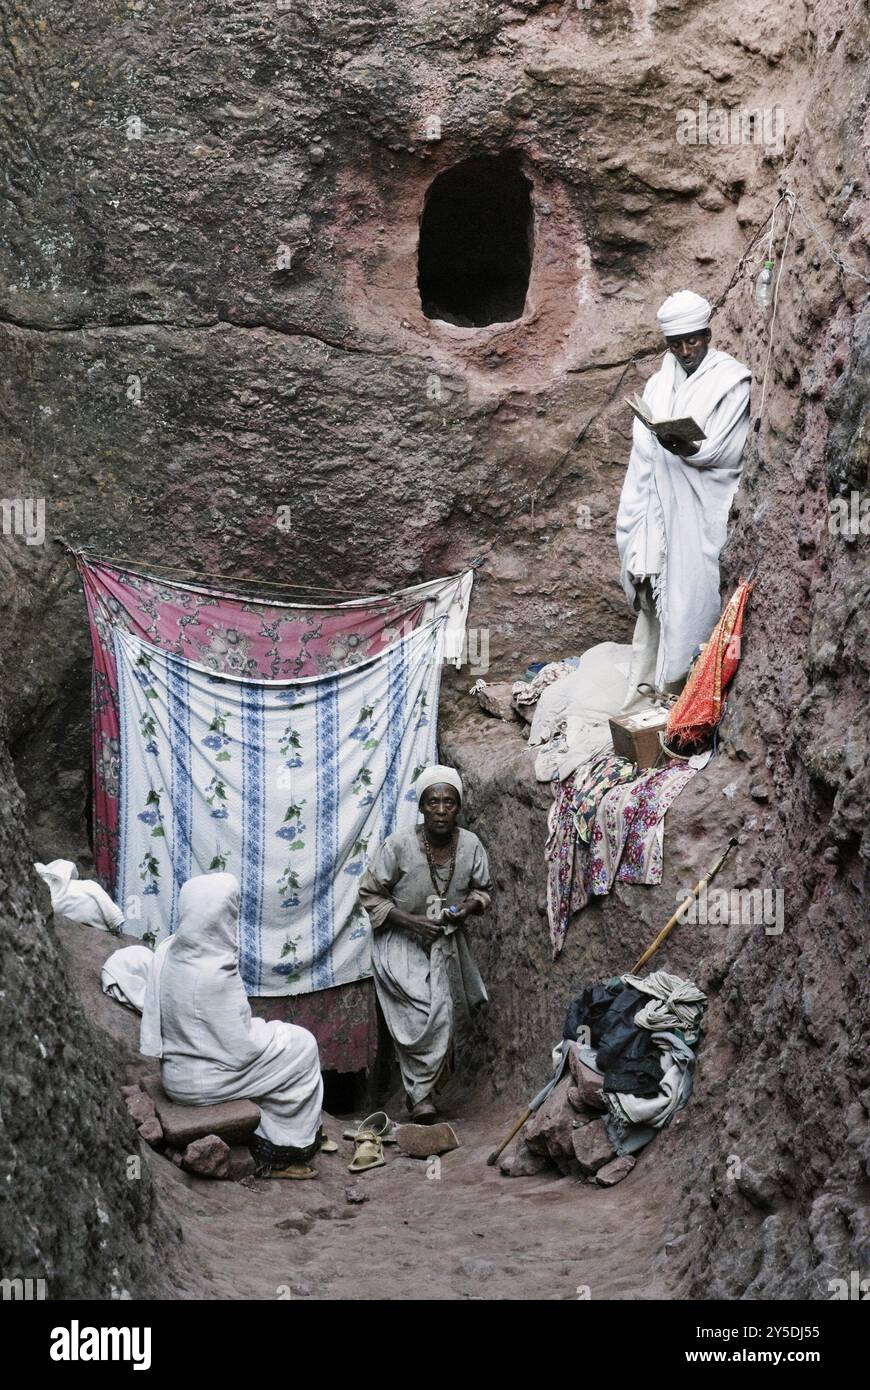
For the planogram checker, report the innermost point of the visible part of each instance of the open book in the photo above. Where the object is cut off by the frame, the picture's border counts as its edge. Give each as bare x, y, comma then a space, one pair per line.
685, 429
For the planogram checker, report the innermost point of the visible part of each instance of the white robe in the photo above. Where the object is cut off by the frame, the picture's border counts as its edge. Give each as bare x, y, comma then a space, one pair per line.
198, 1021
673, 512
80, 899
124, 976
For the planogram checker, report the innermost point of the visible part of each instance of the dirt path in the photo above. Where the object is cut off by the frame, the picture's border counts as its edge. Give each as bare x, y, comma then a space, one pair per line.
463, 1231
470, 1233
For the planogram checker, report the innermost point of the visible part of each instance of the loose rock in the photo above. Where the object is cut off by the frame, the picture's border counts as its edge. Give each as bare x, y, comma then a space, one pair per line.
422, 1141
524, 1163
208, 1157
140, 1107
152, 1132
242, 1164
592, 1147
615, 1171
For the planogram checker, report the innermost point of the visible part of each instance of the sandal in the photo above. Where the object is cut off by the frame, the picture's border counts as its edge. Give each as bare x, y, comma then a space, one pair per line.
297, 1171
369, 1153
328, 1146
378, 1124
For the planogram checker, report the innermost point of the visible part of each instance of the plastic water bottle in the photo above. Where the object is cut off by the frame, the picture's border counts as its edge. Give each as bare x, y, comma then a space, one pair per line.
764, 285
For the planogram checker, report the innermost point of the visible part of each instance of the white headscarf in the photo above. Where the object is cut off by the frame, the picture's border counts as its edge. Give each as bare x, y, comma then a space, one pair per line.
683, 313
436, 775
207, 939
80, 899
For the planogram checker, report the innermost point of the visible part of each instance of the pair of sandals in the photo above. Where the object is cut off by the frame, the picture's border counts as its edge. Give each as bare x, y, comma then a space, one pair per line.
369, 1139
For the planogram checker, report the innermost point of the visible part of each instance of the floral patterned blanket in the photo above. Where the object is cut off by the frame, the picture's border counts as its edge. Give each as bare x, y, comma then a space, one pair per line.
238, 636
285, 783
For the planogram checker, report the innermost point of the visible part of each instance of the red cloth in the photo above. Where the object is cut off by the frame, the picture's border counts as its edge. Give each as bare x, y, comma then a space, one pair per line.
344, 1020
699, 708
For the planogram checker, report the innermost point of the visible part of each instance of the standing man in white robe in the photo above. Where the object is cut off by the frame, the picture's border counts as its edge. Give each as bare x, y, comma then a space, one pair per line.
673, 512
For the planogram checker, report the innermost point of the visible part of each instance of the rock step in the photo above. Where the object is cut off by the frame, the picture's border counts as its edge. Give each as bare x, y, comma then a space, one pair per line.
233, 1121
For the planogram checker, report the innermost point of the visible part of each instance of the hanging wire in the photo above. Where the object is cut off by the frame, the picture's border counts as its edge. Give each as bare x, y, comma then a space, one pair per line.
832, 254
145, 568
792, 200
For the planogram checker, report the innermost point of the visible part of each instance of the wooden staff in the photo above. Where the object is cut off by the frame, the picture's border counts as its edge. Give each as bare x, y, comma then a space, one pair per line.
687, 902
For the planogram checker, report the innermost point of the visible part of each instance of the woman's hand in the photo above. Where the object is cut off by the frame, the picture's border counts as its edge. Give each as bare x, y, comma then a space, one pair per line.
457, 913
423, 928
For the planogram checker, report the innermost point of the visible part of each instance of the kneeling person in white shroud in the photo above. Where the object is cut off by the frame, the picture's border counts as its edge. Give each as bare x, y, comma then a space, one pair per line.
198, 1021
418, 891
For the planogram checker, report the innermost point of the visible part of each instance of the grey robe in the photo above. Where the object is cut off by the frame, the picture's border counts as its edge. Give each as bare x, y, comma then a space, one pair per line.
427, 997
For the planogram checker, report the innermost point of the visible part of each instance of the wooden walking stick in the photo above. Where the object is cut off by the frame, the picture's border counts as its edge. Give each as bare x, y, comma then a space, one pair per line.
647, 955
683, 907
496, 1153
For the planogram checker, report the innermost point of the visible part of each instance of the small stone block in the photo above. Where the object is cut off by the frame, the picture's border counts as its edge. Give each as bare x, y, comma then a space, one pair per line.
422, 1141
615, 1171
152, 1132
592, 1147
140, 1107
524, 1163
497, 700
242, 1164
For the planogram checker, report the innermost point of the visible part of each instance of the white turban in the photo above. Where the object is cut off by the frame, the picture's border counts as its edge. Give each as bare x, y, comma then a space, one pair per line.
436, 775
683, 313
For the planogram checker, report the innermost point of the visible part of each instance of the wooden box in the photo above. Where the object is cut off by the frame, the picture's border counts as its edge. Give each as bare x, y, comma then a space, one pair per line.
636, 736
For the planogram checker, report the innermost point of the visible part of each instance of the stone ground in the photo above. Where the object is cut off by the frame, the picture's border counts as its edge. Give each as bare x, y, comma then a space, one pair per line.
470, 1234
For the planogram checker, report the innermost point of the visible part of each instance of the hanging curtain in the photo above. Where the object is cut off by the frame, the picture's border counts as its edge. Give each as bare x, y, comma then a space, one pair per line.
234, 635
284, 784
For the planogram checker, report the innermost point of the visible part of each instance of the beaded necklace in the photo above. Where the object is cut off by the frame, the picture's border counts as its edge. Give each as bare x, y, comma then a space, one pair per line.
434, 868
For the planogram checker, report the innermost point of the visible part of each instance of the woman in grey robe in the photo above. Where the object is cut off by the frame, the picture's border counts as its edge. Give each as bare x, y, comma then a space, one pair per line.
419, 890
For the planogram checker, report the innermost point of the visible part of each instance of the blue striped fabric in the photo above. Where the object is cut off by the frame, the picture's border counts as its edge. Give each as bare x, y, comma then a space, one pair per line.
252, 830
326, 854
395, 733
289, 785
181, 788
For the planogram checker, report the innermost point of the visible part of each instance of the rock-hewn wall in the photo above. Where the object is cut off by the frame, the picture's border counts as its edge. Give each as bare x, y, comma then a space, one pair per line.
209, 304
209, 310
77, 1206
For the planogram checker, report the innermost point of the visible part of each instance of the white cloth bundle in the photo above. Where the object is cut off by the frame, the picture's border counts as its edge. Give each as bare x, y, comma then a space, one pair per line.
582, 704
124, 976
675, 1002
80, 899
685, 501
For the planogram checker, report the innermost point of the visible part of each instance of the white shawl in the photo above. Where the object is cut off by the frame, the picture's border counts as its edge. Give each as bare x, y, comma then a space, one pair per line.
195, 979
688, 499
80, 899
124, 976
197, 1019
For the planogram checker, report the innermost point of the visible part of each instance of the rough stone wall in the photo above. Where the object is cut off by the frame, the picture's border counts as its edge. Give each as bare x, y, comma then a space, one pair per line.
214, 313
77, 1206
209, 307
